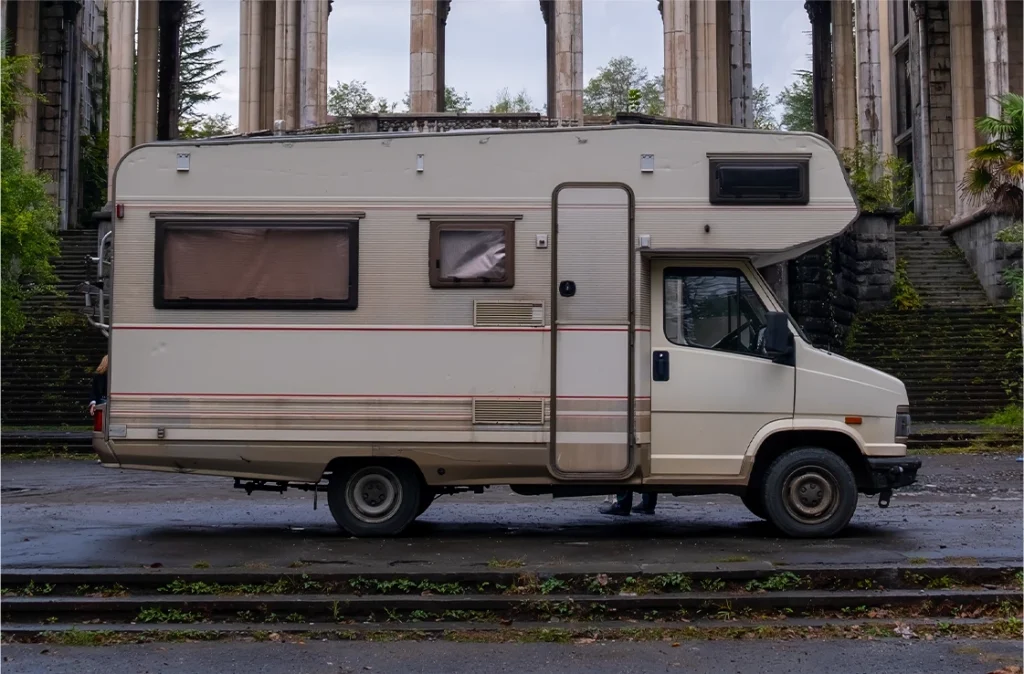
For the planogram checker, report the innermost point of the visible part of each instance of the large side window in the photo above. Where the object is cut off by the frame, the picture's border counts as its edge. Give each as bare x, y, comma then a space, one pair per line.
757, 181
256, 265
713, 309
472, 255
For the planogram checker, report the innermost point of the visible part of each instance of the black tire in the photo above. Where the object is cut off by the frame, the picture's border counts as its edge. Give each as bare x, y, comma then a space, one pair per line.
370, 500
809, 493
754, 501
426, 499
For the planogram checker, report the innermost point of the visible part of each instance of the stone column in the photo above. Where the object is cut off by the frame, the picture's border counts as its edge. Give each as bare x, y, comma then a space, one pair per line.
424, 82
244, 45
121, 41
961, 64
676, 19
168, 109
146, 75
741, 86
820, 13
997, 60
869, 73
706, 56
313, 74
568, 67
322, 90
267, 64
286, 63
844, 87
26, 43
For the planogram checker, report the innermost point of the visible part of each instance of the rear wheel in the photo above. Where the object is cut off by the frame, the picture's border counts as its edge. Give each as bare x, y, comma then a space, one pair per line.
374, 500
809, 493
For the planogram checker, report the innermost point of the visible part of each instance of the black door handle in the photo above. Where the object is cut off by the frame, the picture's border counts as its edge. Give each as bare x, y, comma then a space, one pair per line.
659, 369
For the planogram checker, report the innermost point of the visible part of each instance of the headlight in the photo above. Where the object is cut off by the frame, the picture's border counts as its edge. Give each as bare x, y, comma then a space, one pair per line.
902, 423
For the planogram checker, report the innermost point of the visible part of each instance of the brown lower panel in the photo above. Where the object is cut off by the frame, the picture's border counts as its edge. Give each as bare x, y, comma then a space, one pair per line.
591, 458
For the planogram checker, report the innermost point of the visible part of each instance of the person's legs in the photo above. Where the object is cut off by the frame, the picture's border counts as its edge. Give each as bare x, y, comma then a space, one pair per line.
648, 503
622, 505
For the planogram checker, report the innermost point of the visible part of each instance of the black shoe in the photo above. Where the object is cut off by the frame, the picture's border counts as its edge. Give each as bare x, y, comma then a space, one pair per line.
615, 509
645, 511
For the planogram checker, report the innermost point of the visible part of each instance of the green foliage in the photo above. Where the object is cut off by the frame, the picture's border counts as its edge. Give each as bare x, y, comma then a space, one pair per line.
13, 92
904, 296
908, 219
506, 103
205, 126
797, 104
763, 109
199, 66
28, 217
456, 102
1011, 416
1012, 234
996, 168
881, 182
608, 92
634, 99
353, 98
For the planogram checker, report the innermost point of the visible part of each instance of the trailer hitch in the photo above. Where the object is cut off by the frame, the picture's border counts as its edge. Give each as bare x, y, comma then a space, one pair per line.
883, 498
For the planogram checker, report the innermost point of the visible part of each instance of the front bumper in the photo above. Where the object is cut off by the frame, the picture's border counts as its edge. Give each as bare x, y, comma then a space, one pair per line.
893, 472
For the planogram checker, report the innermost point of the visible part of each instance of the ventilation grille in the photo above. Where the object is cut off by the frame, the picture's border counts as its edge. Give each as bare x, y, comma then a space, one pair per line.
521, 412
489, 313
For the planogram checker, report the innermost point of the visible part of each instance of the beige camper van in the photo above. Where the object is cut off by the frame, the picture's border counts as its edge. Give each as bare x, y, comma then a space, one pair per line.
571, 311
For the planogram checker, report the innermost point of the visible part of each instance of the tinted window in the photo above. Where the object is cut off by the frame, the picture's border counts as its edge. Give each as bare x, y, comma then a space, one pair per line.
758, 182
713, 309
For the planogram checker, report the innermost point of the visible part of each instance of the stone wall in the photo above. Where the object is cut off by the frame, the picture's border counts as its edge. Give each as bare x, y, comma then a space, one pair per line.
976, 237
849, 275
51, 64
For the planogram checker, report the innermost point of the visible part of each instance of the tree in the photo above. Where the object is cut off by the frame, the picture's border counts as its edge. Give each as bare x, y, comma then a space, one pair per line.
607, 93
206, 126
506, 103
763, 109
996, 168
350, 98
797, 103
453, 101
28, 217
199, 67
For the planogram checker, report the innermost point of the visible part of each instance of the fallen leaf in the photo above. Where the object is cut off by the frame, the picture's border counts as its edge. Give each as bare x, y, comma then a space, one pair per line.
675, 644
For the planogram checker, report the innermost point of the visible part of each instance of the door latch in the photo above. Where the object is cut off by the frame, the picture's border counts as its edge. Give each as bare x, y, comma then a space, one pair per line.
659, 368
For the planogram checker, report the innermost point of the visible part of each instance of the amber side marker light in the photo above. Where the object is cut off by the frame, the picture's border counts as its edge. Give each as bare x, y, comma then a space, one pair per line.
854, 421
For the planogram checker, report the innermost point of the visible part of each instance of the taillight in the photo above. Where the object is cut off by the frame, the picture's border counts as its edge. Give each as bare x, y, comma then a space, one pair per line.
97, 420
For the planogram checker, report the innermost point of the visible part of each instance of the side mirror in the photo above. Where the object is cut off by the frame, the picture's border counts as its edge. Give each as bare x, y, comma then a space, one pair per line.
778, 339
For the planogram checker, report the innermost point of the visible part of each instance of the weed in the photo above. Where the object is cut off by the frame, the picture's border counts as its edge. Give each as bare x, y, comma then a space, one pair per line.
712, 584
506, 563
171, 615
75, 637
246, 616
734, 559
294, 618
419, 615
1012, 415
201, 564
32, 590
779, 582
52, 620
917, 561
552, 585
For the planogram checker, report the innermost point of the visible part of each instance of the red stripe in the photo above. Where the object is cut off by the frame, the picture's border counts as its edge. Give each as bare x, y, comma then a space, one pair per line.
369, 396
359, 328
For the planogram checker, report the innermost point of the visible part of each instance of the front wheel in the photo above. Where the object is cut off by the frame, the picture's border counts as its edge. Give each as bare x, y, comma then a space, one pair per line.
374, 500
809, 493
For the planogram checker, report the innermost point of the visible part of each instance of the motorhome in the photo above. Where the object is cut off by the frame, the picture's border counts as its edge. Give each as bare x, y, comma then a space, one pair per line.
568, 311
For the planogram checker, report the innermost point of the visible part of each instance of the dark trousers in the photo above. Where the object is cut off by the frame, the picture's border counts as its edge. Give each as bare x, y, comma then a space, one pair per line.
625, 500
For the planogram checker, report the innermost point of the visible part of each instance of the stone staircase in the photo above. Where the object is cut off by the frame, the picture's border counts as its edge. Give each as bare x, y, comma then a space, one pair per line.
959, 356
937, 269
46, 371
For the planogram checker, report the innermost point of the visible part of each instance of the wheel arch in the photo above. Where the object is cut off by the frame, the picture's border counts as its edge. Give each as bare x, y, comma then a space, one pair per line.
831, 436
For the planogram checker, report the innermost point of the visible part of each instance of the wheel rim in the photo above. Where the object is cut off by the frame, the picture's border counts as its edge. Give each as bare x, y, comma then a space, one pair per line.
373, 495
811, 494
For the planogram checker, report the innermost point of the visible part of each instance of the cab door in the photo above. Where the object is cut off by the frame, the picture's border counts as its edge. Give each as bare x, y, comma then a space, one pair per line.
712, 385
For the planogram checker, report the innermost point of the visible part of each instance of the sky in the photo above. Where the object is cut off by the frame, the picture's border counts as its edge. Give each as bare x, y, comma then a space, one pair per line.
494, 44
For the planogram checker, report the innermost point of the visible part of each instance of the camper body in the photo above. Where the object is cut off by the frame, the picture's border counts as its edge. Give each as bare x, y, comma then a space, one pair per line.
567, 311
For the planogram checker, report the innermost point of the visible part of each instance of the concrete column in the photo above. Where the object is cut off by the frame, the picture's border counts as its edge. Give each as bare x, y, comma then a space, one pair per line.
168, 109
313, 76
820, 13
423, 75
121, 38
26, 43
3, 18
568, 60
706, 57
844, 87
961, 62
244, 45
286, 62
676, 19
997, 60
741, 85
869, 73
322, 54
884, 96
146, 76
267, 64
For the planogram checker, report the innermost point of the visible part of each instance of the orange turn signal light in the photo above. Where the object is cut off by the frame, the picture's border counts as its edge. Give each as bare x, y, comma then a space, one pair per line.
854, 421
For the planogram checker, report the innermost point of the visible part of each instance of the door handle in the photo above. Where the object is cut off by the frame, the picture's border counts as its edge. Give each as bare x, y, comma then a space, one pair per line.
659, 369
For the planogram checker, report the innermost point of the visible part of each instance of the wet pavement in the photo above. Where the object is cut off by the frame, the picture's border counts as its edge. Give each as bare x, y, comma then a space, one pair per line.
718, 657
75, 514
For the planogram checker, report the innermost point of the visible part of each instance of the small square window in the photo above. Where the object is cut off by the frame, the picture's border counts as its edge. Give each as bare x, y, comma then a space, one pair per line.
472, 255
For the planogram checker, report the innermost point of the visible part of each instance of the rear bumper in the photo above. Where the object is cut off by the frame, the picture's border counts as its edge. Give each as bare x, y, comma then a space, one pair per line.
893, 472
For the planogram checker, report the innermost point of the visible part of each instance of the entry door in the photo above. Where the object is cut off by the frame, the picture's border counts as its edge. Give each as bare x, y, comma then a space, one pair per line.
712, 387
591, 341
